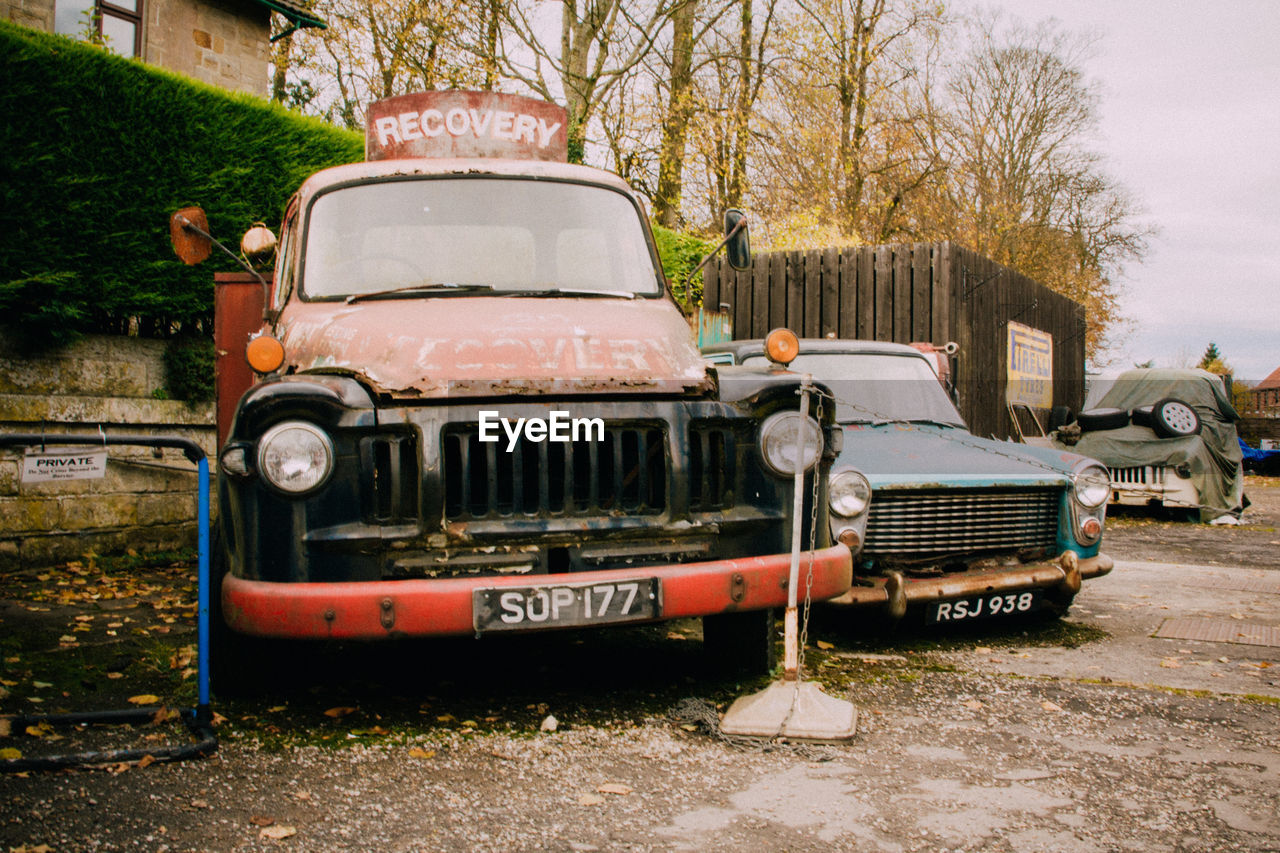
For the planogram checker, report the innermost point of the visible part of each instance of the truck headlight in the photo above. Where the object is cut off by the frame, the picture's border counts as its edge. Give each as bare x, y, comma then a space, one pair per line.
848, 493
295, 457
1092, 486
778, 438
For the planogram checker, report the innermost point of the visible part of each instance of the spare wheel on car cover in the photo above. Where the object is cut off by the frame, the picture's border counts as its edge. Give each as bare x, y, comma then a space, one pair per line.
1095, 419
1171, 418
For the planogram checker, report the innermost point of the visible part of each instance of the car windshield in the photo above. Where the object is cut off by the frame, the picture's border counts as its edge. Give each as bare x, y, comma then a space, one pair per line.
873, 387
454, 236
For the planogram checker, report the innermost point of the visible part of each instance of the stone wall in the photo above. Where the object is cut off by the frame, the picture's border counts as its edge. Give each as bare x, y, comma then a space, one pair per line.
147, 500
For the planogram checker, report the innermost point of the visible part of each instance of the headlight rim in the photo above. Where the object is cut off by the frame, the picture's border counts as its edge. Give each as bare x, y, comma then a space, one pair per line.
1102, 484
264, 470
832, 493
771, 424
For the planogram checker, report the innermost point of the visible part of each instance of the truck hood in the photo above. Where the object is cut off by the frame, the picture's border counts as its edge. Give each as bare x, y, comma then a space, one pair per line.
899, 455
497, 346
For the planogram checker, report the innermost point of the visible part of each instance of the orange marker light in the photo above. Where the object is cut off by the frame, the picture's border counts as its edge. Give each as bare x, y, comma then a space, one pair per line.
782, 346
264, 354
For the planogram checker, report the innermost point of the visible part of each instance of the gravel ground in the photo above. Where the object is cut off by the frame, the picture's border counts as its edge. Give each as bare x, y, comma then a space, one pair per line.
1088, 734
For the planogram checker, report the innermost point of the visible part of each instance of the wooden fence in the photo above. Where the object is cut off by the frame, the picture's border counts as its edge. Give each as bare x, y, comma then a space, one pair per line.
934, 292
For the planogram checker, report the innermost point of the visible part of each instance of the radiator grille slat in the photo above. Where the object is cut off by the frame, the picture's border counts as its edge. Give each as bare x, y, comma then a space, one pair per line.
914, 525
625, 472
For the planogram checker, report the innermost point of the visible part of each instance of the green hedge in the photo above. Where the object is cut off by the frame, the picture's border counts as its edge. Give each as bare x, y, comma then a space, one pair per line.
680, 254
98, 151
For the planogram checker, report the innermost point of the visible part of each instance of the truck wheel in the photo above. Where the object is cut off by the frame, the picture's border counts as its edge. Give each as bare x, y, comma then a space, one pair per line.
1096, 419
741, 643
1172, 418
1142, 416
235, 660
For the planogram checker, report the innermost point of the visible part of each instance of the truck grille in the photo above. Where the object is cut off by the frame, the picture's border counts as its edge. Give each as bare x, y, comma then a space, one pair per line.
626, 473
391, 496
917, 525
713, 469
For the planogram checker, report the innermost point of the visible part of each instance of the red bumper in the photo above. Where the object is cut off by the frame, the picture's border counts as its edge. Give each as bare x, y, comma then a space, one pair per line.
443, 606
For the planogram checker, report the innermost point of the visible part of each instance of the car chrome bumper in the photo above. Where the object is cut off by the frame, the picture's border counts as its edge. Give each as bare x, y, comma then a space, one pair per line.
894, 590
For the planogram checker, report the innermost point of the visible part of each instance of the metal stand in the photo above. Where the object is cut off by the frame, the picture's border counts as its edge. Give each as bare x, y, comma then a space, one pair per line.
789, 708
199, 720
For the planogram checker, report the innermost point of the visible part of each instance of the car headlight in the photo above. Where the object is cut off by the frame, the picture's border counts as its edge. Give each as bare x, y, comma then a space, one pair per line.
778, 439
1092, 486
848, 493
295, 457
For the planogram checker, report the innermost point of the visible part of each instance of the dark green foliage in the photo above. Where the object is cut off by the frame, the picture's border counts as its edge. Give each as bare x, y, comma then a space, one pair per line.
188, 368
680, 254
98, 151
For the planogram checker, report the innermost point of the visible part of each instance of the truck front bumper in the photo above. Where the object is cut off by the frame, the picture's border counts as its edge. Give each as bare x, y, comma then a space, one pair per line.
369, 610
894, 591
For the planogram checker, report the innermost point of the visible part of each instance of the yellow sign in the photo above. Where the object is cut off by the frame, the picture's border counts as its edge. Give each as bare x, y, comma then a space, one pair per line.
1030, 367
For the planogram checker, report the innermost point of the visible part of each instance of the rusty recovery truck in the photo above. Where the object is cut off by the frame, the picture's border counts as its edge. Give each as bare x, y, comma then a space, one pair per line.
477, 408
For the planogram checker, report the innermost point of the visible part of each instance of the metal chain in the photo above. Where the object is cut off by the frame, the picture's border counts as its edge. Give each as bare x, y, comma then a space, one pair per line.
813, 534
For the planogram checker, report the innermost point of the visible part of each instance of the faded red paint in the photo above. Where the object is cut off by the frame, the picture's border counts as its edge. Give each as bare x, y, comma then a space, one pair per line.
443, 606
466, 124
479, 346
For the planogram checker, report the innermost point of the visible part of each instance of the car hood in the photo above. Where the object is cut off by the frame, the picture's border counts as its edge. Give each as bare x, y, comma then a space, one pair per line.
902, 455
496, 346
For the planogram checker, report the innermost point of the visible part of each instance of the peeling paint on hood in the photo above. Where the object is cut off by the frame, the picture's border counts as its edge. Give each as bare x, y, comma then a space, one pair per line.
495, 346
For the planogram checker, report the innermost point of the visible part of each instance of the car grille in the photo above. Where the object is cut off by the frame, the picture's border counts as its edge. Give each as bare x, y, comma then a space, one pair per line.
910, 525
1141, 476
625, 473
713, 468
391, 495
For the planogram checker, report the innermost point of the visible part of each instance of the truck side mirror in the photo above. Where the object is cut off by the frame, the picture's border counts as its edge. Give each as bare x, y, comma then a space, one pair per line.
737, 239
189, 233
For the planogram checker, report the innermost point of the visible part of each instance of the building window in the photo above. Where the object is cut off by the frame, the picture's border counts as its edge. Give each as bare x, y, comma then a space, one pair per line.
116, 25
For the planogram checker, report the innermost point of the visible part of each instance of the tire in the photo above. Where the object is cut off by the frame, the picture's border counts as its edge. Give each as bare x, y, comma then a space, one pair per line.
236, 662
742, 643
1098, 419
1142, 416
1172, 418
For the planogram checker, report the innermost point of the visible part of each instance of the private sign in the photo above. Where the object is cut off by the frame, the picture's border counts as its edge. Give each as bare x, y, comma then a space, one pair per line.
465, 124
70, 464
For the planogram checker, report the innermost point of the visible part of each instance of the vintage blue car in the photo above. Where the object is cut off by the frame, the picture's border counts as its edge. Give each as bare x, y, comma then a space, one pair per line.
968, 527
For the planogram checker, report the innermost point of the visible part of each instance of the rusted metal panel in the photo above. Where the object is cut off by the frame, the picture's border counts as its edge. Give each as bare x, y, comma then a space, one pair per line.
1219, 631
458, 123
237, 313
480, 346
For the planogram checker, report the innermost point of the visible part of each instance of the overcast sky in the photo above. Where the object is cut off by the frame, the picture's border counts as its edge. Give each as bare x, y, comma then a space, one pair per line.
1190, 124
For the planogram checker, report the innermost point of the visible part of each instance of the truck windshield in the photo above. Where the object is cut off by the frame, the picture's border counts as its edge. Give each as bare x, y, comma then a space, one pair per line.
431, 237
872, 387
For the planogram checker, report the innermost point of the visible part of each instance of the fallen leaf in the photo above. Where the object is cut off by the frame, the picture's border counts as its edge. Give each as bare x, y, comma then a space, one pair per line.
262, 820
146, 761
41, 685
41, 730
6, 726
10, 754
419, 752
590, 800
614, 788
340, 711
1050, 706
689, 727
199, 804
278, 832
144, 699
824, 645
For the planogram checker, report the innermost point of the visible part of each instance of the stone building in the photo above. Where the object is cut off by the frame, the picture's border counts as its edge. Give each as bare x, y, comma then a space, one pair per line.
222, 42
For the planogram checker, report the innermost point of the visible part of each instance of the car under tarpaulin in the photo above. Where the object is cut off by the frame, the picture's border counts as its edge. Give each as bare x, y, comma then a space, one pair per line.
1210, 459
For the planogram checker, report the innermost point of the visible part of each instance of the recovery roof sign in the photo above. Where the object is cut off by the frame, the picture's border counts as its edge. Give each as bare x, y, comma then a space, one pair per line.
456, 123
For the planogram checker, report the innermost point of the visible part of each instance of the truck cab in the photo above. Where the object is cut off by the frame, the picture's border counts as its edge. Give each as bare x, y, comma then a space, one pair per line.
477, 408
